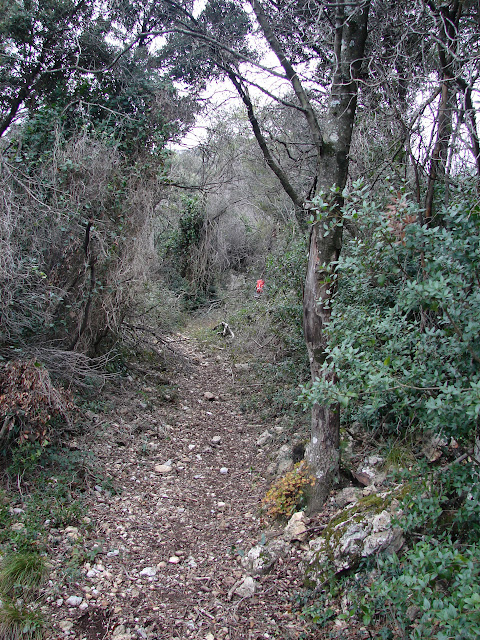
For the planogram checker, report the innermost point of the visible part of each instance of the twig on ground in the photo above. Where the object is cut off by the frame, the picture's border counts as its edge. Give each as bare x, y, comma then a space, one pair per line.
205, 613
261, 346
200, 578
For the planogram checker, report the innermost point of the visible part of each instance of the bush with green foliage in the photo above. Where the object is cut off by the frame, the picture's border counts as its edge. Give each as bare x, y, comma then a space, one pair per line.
430, 592
443, 501
404, 347
403, 340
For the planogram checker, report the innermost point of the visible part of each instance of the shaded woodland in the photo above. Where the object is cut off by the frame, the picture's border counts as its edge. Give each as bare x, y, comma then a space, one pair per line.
341, 164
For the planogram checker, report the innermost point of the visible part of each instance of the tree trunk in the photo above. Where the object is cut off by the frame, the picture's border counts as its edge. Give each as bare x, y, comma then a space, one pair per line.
323, 450
332, 144
323, 453
447, 18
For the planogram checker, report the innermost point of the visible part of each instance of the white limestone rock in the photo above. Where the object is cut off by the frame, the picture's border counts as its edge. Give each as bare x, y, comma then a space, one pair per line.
264, 438
296, 528
246, 588
358, 531
261, 558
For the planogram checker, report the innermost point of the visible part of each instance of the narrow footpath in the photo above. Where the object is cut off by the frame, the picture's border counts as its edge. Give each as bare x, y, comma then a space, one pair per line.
163, 558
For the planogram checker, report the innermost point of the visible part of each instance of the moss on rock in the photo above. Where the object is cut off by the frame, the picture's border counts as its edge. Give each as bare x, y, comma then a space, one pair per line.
358, 531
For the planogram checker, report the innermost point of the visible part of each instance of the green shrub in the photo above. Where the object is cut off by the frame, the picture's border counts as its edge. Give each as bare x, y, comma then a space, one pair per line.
431, 592
441, 501
405, 326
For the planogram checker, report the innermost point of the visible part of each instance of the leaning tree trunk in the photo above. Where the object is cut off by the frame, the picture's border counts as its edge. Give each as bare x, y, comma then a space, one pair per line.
323, 453
332, 144
447, 18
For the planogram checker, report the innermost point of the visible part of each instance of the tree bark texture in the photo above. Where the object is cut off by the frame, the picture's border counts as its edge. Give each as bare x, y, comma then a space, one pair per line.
322, 452
325, 245
447, 18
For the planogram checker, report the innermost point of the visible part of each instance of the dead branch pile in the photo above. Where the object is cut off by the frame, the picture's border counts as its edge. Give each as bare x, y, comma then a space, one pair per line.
30, 403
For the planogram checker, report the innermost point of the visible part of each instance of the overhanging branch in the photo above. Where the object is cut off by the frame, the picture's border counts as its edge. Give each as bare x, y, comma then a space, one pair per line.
262, 143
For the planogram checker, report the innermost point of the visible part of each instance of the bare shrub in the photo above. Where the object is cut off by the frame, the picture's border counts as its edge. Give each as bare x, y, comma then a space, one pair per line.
29, 401
76, 244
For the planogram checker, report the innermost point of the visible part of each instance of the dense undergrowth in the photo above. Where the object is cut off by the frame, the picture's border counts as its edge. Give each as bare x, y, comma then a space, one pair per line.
404, 346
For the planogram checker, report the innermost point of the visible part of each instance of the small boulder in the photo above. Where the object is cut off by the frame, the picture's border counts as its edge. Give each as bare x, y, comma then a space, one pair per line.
264, 438
163, 468
66, 625
284, 460
358, 531
261, 558
246, 588
121, 633
296, 528
72, 533
370, 473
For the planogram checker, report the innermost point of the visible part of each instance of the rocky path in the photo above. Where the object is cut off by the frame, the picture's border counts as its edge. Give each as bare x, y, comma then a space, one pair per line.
190, 479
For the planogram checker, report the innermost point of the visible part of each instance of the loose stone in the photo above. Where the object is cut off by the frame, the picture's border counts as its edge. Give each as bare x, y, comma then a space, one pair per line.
247, 588
162, 468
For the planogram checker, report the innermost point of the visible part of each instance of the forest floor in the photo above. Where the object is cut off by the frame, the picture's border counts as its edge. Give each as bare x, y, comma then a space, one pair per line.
161, 550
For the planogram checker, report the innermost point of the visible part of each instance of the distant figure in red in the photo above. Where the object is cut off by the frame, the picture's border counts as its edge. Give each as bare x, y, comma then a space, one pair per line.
260, 285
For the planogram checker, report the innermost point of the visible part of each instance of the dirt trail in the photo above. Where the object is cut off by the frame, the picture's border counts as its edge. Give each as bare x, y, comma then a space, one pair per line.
171, 539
